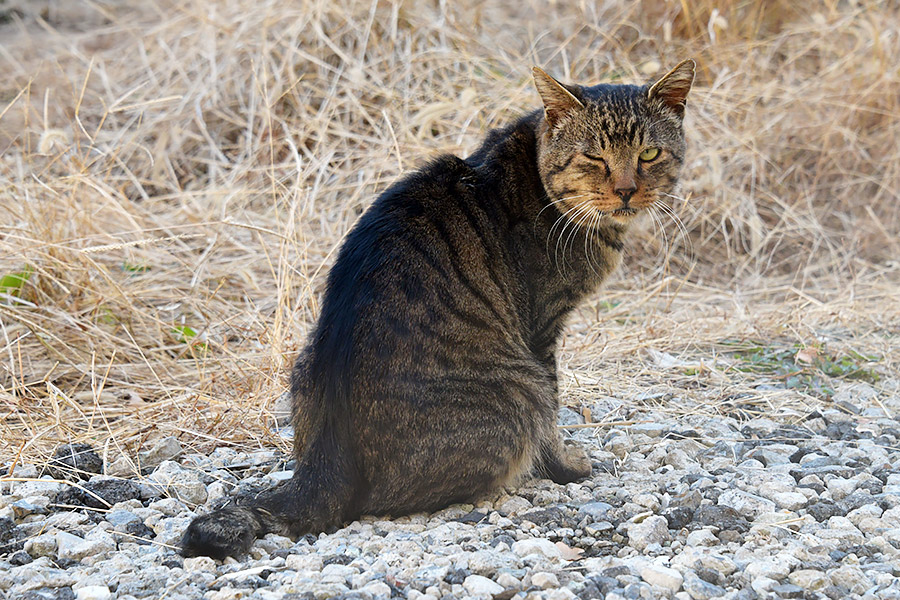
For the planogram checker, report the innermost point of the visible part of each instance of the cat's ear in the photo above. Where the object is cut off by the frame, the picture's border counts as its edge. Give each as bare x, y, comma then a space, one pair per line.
557, 99
673, 87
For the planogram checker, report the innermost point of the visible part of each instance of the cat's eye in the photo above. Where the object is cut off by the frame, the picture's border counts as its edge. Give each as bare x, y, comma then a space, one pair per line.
649, 154
598, 159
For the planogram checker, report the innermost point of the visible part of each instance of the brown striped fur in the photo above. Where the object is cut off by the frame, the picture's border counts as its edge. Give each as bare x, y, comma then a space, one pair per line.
430, 377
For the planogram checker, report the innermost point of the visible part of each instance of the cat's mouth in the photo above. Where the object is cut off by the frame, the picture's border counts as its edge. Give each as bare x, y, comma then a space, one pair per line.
622, 215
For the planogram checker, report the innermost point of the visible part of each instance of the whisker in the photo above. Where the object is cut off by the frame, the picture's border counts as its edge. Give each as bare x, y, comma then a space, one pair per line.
584, 206
575, 230
589, 240
658, 225
682, 229
562, 217
557, 201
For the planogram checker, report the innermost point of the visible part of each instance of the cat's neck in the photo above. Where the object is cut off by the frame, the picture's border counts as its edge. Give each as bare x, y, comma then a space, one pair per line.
559, 261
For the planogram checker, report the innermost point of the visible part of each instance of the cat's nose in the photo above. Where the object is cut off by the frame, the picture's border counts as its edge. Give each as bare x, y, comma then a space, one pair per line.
625, 193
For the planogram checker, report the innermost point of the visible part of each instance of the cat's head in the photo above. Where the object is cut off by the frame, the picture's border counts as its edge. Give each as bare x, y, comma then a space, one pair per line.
609, 151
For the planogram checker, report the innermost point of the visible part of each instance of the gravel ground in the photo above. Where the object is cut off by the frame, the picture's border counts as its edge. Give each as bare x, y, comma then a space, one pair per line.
678, 507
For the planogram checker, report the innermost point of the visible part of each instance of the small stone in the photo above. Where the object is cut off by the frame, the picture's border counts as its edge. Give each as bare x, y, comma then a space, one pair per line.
179, 482
652, 530
702, 537
40, 487
790, 500
122, 467
840, 488
568, 416
856, 393
867, 511
281, 409
679, 459
101, 493
30, 506
773, 454
513, 505
120, 519
226, 593
833, 592
619, 444
662, 577
788, 590
598, 529
653, 429
722, 565
691, 499
763, 585
17, 559
165, 449
850, 577
298, 562
596, 511
558, 594
486, 562
171, 507
507, 580
9, 536
772, 567
809, 579
93, 592
748, 505
74, 462
478, 585
536, 546
724, 517
41, 545
377, 589
204, 563
698, 589
648, 501
66, 520
72, 547
678, 517
551, 516
822, 510
545, 581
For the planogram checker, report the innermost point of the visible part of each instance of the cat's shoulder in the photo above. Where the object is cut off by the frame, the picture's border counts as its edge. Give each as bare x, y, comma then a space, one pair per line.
444, 171
428, 187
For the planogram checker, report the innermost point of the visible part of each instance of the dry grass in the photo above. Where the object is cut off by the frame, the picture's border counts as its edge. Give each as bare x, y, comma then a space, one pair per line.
176, 177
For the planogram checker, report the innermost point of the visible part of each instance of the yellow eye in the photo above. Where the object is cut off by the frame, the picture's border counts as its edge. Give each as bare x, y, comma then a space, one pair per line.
649, 154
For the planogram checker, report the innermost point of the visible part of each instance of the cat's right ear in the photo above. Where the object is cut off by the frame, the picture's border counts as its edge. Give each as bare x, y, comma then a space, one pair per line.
557, 99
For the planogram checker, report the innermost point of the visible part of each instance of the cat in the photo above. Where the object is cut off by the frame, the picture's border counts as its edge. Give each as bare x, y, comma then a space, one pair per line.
430, 377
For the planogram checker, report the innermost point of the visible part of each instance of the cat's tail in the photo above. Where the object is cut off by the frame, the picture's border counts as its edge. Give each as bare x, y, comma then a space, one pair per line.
319, 495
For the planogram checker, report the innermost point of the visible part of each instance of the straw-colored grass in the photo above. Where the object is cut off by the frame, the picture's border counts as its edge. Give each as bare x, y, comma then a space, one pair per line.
176, 177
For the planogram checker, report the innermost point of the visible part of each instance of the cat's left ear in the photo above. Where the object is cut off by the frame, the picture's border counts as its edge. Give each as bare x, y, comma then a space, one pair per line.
673, 87
557, 99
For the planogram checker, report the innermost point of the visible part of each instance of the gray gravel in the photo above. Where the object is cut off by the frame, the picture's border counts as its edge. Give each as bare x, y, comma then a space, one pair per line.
689, 507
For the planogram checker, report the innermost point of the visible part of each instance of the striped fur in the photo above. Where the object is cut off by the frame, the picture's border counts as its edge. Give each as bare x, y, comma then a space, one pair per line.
430, 377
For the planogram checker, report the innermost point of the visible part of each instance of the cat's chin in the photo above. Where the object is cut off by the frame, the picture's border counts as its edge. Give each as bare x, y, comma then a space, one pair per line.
623, 216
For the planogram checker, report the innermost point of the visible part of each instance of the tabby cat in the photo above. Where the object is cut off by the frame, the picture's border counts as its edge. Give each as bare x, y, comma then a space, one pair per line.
430, 377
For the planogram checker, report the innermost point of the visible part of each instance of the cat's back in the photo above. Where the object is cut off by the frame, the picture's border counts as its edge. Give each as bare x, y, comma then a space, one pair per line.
425, 256
406, 212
